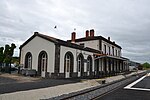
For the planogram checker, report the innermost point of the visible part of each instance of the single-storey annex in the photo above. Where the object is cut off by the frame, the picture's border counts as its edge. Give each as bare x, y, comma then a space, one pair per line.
90, 56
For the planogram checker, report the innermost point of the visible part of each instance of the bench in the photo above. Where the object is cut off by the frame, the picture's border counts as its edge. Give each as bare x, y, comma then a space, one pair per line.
29, 72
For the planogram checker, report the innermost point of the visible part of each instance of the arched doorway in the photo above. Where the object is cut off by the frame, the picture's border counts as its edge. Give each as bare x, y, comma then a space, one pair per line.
68, 64
89, 65
80, 65
42, 63
28, 61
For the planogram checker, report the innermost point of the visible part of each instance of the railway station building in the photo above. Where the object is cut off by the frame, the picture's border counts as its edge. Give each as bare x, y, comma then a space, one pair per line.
88, 57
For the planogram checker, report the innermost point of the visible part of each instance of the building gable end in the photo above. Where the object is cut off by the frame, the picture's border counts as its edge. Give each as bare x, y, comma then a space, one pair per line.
32, 37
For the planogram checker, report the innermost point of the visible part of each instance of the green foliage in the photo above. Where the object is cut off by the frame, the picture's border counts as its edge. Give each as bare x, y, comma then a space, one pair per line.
15, 60
146, 65
1, 54
8, 52
6, 56
13, 46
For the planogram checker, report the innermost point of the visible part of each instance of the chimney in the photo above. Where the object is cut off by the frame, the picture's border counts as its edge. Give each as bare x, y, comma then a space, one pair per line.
92, 33
114, 42
36, 33
87, 33
73, 37
109, 38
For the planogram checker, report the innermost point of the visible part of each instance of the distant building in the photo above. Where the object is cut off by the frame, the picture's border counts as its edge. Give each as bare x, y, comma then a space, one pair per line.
90, 56
133, 65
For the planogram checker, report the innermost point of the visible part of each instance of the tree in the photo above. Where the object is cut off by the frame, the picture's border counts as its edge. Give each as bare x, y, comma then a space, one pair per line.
8, 53
1, 57
146, 65
13, 46
15, 60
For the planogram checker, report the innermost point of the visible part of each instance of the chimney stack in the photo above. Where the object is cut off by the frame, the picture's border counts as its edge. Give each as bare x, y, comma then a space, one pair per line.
92, 33
73, 37
109, 38
35, 33
87, 33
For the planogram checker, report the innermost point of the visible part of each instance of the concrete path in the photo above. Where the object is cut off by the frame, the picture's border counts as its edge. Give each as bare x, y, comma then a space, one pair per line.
49, 92
14, 83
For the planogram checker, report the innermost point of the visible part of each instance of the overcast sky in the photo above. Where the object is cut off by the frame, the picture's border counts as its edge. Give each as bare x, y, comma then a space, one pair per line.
127, 22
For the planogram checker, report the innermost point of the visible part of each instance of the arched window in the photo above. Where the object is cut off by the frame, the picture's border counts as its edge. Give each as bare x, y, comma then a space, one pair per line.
68, 63
80, 64
42, 62
28, 60
89, 64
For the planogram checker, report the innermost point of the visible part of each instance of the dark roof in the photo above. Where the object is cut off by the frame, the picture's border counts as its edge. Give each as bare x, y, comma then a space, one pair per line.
124, 58
114, 57
95, 38
60, 42
133, 62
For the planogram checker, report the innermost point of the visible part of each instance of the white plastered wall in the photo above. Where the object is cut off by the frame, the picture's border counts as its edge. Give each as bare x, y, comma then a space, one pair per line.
35, 46
63, 51
75, 53
107, 48
91, 44
86, 54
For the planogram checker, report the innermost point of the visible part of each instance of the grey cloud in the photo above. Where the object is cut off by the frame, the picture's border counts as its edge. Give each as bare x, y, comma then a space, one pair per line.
126, 21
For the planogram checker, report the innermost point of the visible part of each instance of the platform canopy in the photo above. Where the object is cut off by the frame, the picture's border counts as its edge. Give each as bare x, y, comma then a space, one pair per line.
99, 56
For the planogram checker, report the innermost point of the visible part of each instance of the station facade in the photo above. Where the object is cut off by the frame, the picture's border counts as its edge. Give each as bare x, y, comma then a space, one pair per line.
88, 57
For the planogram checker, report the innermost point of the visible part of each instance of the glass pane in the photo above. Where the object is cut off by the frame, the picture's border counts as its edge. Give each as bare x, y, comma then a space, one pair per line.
29, 61
88, 66
79, 65
67, 63
43, 62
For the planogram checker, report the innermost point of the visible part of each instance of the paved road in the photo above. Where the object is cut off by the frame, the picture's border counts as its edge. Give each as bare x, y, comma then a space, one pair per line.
5, 80
144, 84
139, 91
12, 85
